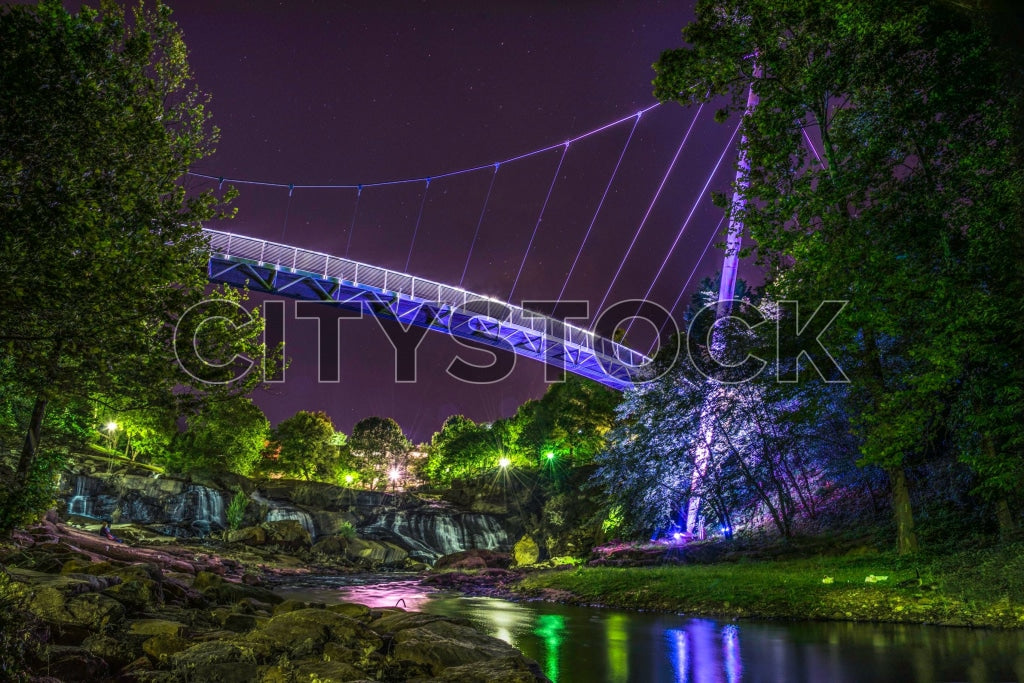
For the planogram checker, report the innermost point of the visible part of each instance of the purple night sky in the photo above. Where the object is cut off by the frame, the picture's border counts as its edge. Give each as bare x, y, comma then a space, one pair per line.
345, 93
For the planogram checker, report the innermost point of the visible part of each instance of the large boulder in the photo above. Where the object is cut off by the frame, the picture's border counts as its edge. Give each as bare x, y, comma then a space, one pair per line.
474, 559
217, 661
68, 601
374, 553
250, 535
441, 644
287, 533
305, 632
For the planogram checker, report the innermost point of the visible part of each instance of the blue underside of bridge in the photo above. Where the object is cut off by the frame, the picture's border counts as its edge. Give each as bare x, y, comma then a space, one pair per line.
485, 321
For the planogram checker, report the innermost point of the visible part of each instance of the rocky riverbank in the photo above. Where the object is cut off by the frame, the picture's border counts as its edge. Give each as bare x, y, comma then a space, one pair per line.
78, 607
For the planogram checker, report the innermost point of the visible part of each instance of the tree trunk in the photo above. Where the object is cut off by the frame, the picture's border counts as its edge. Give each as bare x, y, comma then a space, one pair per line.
31, 446
906, 539
1007, 524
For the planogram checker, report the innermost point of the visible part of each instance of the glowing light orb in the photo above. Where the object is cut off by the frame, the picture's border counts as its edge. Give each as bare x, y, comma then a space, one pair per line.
677, 535
394, 474
550, 455
348, 478
111, 426
504, 462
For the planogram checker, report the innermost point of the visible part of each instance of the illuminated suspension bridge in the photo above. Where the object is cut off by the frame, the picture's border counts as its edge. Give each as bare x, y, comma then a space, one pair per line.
338, 280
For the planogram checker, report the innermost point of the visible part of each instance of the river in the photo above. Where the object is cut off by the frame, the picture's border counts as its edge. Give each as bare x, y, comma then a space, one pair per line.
596, 644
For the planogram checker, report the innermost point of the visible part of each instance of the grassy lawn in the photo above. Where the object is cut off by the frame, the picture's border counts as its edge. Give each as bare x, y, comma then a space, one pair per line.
974, 588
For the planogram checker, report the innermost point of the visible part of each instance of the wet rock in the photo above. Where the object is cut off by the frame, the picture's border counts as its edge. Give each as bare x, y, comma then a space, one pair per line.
287, 533
115, 652
216, 589
137, 594
179, 593
155, 627
375, 552
161, 648
303, 633
251, 535
503, 670
290, 605
216, 660
443, 644
62, 604
490, 559
332, 545
351, 610
526, 551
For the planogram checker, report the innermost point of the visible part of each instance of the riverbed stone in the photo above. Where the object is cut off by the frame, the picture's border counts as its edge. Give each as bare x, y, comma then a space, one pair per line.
443, 644
516, 669
250, 535
351, 610
163, 647
287, 533
375, 552
303, 633
155, 627
206, 661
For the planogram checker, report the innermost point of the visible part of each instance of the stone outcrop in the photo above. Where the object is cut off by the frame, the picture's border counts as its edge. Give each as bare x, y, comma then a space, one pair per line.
280, 510
113, 619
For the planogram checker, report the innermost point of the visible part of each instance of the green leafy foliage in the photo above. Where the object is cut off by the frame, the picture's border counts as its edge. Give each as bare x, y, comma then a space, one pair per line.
379, 445
912, 213
102, 251
236, 510
230, 435
305, 447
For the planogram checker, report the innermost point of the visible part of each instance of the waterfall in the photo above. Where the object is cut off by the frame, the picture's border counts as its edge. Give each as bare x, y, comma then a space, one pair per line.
429, 535
209, 507
79, 504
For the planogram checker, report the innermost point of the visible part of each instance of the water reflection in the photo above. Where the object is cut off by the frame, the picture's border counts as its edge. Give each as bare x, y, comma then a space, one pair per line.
582, 644
549, 628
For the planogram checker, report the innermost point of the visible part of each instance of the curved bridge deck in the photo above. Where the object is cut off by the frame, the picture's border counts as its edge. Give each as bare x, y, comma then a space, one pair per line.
289, 271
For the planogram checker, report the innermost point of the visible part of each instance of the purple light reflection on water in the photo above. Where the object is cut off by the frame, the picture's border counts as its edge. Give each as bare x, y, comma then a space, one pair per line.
371, 591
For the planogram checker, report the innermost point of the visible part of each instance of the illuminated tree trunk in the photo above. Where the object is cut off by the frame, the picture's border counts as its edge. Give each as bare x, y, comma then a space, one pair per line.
906, 539
32, 436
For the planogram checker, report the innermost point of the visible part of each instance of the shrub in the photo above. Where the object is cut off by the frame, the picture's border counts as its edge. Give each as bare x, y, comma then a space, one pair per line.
236, 510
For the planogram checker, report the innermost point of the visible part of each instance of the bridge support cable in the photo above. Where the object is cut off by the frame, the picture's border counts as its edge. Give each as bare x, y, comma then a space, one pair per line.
416, 228
479, 222
540, 217
600, 204
463, 171
650, 207
352, 222
689, 217
682, 291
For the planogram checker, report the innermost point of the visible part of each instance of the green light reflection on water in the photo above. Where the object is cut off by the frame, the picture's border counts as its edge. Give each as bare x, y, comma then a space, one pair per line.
618, 648
549, 629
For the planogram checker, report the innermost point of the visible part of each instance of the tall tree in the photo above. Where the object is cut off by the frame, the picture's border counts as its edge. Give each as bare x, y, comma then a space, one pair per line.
101, 250
306, 443
379, 445
906, 101
227, 435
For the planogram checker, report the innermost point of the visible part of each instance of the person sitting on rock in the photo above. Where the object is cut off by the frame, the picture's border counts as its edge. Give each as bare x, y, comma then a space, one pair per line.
106, 533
